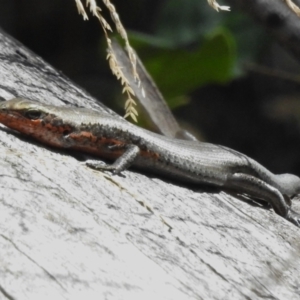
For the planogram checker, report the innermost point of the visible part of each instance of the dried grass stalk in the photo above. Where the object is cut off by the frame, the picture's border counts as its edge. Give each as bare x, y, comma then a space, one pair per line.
95, 10
214, 4
293, 7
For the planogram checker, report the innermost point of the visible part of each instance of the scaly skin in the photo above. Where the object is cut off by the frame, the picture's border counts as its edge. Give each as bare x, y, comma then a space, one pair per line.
114, 138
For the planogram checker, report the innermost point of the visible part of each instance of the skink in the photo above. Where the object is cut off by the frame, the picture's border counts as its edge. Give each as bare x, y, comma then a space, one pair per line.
114, 138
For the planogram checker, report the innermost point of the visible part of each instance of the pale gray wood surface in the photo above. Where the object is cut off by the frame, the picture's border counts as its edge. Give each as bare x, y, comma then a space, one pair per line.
69, 232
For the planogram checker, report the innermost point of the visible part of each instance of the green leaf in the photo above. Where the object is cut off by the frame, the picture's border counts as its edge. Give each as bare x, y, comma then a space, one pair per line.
180, 71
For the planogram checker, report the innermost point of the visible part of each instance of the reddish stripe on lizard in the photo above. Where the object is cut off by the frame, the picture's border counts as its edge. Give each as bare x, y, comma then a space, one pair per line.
86, 141
50, 135
53, 135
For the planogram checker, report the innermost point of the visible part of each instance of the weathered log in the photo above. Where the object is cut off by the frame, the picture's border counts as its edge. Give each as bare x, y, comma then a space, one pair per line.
67, 231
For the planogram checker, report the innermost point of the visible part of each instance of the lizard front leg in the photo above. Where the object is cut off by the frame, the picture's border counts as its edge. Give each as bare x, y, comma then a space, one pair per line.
121, 164
255, 187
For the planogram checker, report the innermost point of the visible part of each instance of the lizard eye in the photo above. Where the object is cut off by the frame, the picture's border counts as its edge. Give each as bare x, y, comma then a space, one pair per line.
33, 114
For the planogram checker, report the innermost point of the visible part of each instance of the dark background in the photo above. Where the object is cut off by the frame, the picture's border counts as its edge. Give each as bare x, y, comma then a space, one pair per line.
249, 100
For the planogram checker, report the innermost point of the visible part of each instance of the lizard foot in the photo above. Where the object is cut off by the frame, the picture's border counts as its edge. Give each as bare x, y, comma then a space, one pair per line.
100, 166
293, 217
122, 163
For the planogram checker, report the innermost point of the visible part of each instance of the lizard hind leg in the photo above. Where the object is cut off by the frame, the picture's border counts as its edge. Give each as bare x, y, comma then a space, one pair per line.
256, 187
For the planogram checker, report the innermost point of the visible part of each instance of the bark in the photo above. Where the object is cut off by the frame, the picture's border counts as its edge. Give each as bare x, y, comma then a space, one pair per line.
68, 232
282, 23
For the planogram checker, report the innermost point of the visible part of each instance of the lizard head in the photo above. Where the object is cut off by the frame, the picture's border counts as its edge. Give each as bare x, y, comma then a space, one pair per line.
34, 119
19, 108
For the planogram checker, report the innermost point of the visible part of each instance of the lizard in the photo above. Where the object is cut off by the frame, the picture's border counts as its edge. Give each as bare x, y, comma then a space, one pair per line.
128, 145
